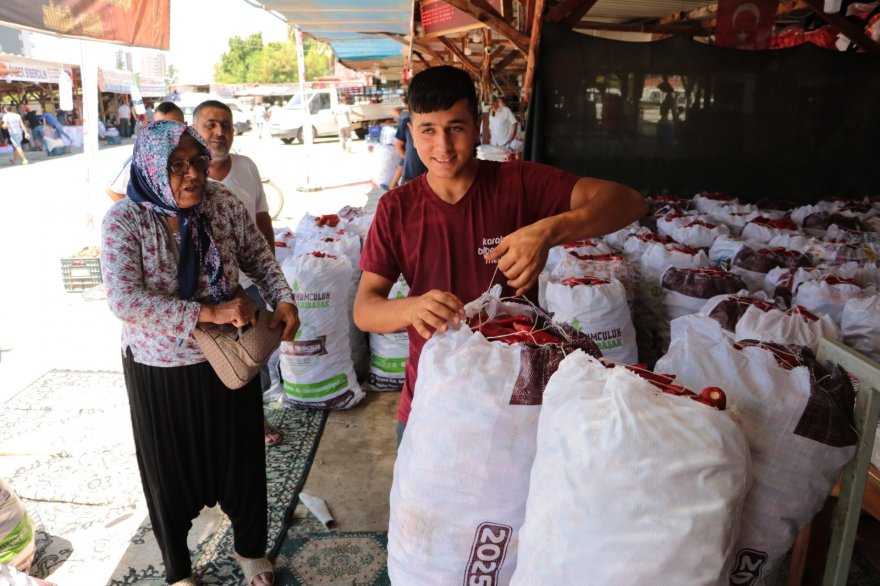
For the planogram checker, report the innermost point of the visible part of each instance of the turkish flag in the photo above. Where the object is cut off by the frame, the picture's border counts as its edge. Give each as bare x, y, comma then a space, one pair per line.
745, 24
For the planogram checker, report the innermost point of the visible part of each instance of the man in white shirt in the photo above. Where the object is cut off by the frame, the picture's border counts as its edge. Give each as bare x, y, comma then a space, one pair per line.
502, 124
213, 120
342, 116
17, 130
123, 112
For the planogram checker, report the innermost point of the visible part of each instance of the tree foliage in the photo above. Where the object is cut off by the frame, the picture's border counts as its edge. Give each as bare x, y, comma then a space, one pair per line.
250, 61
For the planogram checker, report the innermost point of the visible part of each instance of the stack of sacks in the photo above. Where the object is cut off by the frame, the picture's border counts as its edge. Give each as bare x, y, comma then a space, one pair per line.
650, 310
316, 226
634, 481
345, 245
829, 295
763, 229
798, 419
860, 323
388, 352
603, 266
791, 242
800, 213
754, 264
753, 318
461, 477
699, 234
358, 221
597, 308
316, 367
637, 243
586, 247
723, 251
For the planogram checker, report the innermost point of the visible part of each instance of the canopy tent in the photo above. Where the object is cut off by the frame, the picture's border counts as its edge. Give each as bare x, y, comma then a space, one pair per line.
365, 36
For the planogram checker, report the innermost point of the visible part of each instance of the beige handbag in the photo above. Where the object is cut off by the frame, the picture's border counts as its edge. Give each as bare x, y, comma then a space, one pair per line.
238, 354
235, 354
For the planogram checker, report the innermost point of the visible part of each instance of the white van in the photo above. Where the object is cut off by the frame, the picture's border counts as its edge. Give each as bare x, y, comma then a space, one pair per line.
287, 124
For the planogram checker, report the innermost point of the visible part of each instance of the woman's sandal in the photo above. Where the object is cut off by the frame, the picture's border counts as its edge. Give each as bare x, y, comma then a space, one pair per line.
253, 567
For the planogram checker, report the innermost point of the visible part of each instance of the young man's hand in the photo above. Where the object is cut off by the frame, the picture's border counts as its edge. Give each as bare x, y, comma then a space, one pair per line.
521, 256
434, 311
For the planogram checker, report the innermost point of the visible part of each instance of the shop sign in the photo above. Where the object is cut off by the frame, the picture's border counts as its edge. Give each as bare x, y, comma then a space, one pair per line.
114, 81
439, 18
745, 24
152, 87
144, 23
21, 71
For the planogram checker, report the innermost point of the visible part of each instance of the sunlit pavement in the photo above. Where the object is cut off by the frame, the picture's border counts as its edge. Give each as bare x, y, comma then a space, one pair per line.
49, 211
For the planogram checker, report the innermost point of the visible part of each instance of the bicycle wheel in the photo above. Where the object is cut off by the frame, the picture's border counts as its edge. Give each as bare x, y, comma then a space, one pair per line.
274, 197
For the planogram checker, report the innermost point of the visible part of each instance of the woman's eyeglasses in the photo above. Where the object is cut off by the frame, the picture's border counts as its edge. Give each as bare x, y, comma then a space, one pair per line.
181, 167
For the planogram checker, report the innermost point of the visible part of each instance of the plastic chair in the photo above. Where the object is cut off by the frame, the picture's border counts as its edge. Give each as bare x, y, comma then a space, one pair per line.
846, 514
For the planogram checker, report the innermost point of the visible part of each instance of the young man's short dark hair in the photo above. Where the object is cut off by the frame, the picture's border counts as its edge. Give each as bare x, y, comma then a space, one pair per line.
168, 108
439, 88
210, 104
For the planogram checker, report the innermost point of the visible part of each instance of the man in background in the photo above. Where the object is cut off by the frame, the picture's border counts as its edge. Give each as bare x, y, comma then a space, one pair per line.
35, 122
342, 115
123, 113
14, 125
213, 120
411, 165
117, 188
502, 124
52, 122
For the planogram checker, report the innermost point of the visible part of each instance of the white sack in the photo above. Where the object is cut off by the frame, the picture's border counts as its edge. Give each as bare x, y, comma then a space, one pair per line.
698, 234
17, 542
388, 352
316, 367
783, 414
587, 247
723, 251
762, 229
860, 323
600, 312
630, 485
786, 327
828, 296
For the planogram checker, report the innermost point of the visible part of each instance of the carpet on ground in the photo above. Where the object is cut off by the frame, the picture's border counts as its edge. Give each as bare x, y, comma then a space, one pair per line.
66, 448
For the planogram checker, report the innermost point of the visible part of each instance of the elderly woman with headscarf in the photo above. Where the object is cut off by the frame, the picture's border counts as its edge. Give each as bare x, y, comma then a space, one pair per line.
172, 252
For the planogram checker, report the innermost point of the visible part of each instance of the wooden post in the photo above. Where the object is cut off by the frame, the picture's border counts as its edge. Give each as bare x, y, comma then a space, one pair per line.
534, 40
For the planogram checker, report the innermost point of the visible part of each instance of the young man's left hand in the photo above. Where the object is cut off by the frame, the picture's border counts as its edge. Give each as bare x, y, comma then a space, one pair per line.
521, 256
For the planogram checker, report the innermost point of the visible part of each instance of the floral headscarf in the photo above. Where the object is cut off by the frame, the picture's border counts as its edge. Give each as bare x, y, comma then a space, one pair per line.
150, 188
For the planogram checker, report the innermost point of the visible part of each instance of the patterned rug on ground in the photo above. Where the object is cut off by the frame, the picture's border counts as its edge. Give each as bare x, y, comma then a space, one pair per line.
210, 539
313, 556
66, 448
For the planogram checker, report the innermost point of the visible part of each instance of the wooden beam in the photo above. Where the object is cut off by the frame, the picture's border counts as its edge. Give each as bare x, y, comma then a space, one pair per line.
486, 69
530, 15
532, 61
578, 13
505, 61
473, 69
421, 58
434, 54
845, 26
561, 10
493, 21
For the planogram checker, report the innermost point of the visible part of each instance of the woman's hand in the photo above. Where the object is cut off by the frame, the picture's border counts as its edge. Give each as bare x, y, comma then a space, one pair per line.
433, 311
287, 313
239, 312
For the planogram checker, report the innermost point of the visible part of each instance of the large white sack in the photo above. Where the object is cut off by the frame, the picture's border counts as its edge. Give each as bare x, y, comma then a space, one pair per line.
685, 291
699, 234
17, 542
736, 217
800, 434
316, 367
603, 266
794, 326
669, 222
710, 202
754, 262
461, 478
600, 311
616, 239
384, 161
860, 323
588, 247
828, 295
727, 310
388, 352
326, 225
630, 485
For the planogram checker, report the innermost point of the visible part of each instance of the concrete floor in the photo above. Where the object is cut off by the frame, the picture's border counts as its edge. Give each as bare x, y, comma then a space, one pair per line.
354, 463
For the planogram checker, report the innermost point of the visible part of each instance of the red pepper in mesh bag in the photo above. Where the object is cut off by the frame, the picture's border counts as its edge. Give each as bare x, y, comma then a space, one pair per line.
580, 243
331, 220
587, 280
717, 196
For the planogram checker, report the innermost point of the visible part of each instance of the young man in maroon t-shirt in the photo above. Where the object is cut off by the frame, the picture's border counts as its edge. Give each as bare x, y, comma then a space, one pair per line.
448, 230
